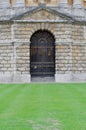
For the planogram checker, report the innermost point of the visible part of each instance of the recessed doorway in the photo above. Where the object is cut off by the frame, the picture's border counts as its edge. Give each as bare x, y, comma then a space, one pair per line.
42, 54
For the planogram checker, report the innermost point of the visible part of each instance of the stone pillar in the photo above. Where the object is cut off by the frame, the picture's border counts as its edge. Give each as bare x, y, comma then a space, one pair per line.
78, 8
19, 7
5, 3
20, 3
63, 6
63, 2
77, 3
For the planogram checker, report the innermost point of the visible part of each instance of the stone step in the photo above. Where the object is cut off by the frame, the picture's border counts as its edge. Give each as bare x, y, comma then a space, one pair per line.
43, 79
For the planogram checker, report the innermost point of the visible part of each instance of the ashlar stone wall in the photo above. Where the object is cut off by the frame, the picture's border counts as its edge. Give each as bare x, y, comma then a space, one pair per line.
70, 50
23, 59
5, 32
6, 59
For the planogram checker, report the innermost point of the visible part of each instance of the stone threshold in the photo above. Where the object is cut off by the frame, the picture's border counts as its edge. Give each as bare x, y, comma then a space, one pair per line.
43, 79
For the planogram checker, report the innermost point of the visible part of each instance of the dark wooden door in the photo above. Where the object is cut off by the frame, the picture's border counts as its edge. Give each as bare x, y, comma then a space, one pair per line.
42, 55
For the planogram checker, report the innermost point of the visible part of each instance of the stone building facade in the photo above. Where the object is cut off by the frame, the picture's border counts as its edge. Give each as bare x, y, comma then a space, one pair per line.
56, 28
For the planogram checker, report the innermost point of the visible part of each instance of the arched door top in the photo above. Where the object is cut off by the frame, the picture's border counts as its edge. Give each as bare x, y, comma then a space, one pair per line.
42, 36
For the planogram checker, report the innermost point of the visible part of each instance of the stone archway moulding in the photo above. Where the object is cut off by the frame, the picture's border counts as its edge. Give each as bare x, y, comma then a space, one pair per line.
42, 26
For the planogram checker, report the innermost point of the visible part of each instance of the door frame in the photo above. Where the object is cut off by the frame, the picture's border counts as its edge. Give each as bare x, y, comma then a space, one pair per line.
54, 50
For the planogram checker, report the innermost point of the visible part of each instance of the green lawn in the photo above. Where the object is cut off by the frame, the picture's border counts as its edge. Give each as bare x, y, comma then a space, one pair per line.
43, 107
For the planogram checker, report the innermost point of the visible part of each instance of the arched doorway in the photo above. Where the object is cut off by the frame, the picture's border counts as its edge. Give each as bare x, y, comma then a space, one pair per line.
42, 54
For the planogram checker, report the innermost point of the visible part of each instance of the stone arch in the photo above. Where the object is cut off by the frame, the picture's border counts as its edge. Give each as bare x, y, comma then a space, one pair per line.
46, 30
42, 26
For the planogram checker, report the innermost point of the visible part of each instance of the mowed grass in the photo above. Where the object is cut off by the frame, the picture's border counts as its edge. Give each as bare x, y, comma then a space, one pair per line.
43, 107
